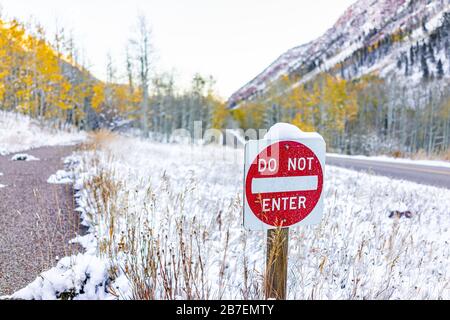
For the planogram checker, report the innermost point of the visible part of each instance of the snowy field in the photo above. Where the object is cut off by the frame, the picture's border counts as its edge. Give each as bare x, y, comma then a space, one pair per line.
166, 223
19, 133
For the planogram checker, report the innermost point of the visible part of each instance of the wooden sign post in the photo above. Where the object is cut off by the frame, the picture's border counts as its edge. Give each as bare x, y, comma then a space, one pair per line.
276, 263
283, 188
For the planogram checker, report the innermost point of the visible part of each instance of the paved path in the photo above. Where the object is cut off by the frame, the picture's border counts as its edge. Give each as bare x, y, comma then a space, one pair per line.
430, 175
37, 219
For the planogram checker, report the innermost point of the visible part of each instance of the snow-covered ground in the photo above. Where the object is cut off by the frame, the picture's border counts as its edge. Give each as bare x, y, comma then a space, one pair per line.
433, 163
166, 222
19, 133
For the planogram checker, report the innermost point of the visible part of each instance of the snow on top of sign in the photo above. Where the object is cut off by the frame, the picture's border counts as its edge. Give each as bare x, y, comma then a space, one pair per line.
285, 131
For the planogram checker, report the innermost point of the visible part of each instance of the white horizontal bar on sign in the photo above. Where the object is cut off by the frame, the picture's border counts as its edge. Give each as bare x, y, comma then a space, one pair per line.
284, 184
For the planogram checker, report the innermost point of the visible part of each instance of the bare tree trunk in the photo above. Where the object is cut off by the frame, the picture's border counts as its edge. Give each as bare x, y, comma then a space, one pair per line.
430, 125
144, 113
143, 46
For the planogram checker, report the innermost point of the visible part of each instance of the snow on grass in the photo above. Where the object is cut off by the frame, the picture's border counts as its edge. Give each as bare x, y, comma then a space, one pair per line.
24, 157
165, 222
61, 177
82, 277
19, 133
432, 163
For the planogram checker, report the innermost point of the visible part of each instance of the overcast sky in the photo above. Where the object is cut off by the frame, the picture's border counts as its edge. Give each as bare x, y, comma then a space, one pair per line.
232, 40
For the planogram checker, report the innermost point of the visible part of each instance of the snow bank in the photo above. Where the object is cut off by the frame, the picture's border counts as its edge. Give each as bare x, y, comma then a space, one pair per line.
80, 277
19, 133
24, 157
61, 177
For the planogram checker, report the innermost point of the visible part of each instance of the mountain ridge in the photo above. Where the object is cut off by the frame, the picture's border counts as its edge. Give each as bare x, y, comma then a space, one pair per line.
371, 36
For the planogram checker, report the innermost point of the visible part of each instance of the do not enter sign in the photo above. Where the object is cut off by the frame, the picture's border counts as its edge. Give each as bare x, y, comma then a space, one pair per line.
284, 182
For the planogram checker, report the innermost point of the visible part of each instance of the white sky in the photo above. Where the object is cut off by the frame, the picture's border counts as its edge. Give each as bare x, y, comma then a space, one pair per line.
232, 40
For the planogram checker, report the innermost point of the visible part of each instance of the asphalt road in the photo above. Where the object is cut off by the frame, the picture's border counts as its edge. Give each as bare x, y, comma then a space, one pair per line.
424, 174
37, 219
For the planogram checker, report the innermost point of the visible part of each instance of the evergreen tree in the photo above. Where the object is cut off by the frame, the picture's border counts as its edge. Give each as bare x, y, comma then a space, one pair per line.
431, 53
406, 68
440, 69
425, 70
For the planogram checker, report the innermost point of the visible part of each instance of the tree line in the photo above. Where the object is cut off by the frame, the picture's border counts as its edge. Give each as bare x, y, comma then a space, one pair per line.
368, 115
39, 80
49, 80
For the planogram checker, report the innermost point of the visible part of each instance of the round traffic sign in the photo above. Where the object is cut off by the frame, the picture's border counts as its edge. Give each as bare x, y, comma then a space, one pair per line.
284, 183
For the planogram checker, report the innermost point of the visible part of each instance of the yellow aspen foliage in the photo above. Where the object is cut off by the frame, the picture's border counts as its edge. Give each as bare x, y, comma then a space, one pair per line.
125, 100
397, 36
300, 122
240, 116
256, 115
219, 114
122, 99
98, 98
38, 79
445, 111
250, 115
340, 101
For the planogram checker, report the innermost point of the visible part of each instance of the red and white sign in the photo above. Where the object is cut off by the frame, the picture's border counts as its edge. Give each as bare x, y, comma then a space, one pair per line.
283, 183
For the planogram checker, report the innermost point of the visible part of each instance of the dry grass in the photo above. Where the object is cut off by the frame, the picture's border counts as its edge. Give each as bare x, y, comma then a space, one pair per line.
276, 263
441, 155
97, 139
156, 266
160, 261
161, 269
397, 154
422, 155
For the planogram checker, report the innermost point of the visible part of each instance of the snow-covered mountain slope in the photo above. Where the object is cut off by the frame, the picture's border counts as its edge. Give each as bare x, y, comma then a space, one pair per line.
408, 39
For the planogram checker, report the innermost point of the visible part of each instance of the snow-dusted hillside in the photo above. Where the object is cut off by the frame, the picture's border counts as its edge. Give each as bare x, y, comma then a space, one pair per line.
386, 37
166, 222
19, 133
